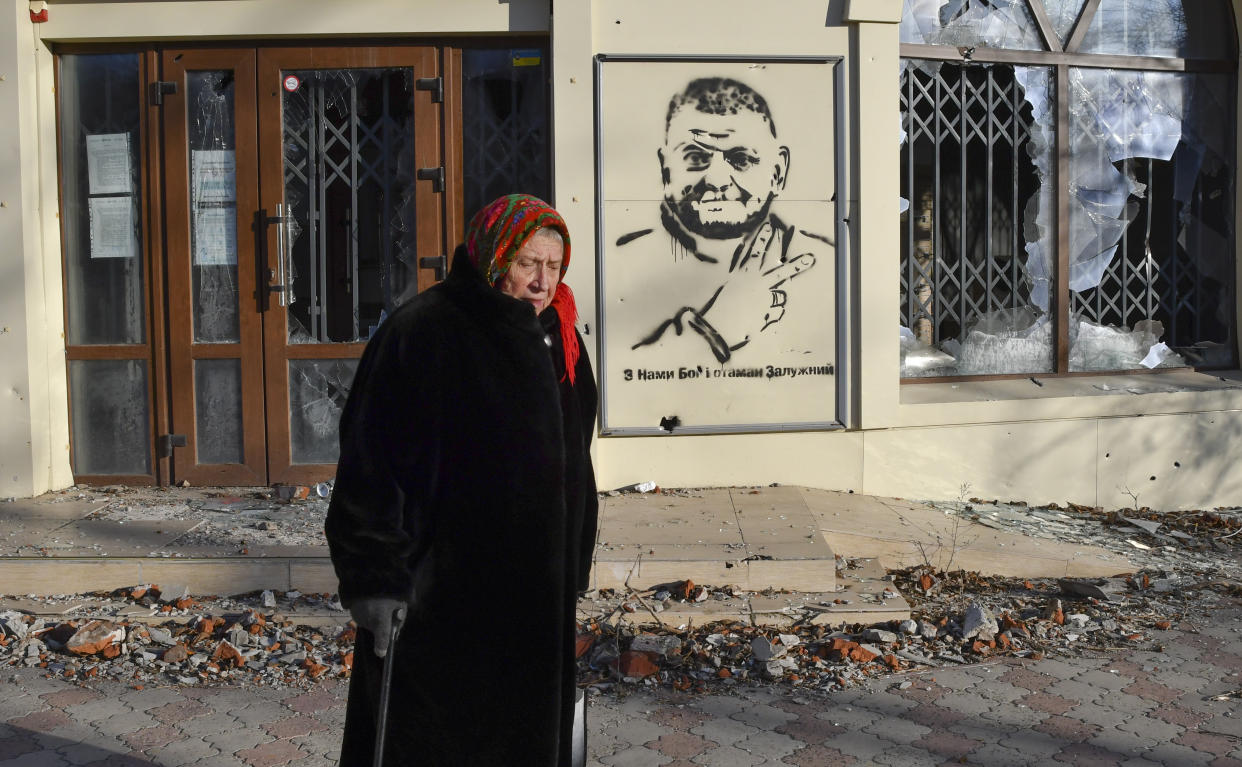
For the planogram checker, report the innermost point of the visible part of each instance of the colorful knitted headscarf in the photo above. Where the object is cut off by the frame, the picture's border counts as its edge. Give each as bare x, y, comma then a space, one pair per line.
493, 238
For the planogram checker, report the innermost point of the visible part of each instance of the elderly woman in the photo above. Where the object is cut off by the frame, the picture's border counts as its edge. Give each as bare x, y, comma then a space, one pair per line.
465, 495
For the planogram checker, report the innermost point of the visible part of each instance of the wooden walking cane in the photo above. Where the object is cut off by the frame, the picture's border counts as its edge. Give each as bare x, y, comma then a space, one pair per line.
398, 617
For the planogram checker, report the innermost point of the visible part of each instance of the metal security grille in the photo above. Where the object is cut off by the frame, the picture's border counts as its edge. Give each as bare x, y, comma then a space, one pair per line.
504, 123
349, 184
1154, 276
966, 174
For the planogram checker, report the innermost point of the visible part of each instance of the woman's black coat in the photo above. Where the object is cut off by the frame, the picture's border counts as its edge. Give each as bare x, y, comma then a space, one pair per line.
465, 481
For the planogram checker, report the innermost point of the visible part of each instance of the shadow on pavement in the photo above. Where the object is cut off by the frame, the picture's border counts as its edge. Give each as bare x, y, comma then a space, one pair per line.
18, 744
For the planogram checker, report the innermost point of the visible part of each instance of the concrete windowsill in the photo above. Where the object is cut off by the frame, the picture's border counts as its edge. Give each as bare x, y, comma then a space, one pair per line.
1180, 390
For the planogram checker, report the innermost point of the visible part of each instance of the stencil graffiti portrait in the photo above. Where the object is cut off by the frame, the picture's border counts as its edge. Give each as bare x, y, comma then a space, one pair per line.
718, 250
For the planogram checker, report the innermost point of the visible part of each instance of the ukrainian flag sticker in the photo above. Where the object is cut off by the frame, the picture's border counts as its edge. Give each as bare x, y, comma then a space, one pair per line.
529, 57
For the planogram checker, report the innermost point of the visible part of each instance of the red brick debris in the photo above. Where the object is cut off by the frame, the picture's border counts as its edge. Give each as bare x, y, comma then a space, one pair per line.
185, 640
958, 618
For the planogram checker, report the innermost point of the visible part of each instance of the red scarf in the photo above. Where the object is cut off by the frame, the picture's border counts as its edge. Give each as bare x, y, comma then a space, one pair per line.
495, 235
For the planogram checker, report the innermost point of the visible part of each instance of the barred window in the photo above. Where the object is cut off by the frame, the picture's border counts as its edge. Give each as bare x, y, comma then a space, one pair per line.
1067, 186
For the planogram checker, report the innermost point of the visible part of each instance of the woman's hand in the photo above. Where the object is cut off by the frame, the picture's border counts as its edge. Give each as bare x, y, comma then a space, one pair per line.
376, 615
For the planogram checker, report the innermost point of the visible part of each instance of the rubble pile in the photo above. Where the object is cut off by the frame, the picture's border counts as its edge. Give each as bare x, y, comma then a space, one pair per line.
960, 618
149, 637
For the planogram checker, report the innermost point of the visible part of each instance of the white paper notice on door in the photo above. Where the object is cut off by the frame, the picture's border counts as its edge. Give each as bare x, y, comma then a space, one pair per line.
213, 174
213, 195
215, 236
112, 227
108, 163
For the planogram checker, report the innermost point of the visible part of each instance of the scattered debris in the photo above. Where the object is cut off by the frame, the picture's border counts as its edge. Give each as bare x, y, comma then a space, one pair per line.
1151, 539
969, 619
638, 487
152, 637
217, 521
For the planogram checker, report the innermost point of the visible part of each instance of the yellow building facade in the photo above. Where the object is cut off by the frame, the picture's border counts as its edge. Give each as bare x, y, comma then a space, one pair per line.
208, 205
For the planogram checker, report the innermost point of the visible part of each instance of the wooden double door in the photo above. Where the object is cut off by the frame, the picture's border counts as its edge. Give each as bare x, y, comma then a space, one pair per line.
304, 193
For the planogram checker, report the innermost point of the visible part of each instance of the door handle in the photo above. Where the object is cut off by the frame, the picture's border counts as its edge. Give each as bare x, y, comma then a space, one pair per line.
283, 289
439, 263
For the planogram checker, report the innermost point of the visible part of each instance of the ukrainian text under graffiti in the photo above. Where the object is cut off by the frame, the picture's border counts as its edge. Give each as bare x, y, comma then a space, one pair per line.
701, 372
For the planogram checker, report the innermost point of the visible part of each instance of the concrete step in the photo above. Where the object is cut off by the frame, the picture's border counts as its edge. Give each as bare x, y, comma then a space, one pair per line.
863, 595
219, 575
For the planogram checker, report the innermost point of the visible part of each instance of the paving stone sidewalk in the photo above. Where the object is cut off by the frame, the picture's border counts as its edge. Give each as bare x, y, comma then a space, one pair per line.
1179, 706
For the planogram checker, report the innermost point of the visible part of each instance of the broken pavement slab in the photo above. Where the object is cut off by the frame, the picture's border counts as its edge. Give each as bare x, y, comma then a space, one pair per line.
904, 534
865, 594
756, 538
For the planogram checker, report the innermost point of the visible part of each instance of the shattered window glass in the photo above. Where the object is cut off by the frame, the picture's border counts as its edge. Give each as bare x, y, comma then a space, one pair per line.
317, 393
970, 23
979, 145
1063, 14
1167, 28
349, 189
1151, 212
1150, 195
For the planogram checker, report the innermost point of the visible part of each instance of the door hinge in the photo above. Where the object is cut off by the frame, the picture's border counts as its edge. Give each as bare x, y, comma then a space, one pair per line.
433, 84
158, 90
434, 175
168, 441
439, 263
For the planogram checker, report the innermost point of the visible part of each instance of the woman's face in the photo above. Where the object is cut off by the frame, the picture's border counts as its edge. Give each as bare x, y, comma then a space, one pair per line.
535, 271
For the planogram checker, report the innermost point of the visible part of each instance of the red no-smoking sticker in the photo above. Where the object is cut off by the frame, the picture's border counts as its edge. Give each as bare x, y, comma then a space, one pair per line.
292, 83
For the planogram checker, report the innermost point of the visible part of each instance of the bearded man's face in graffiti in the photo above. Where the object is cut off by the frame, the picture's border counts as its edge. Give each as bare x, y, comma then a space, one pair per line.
721, 172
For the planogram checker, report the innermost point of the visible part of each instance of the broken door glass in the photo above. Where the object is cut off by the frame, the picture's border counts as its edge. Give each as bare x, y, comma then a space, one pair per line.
349, 189
317, 393
213, 206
